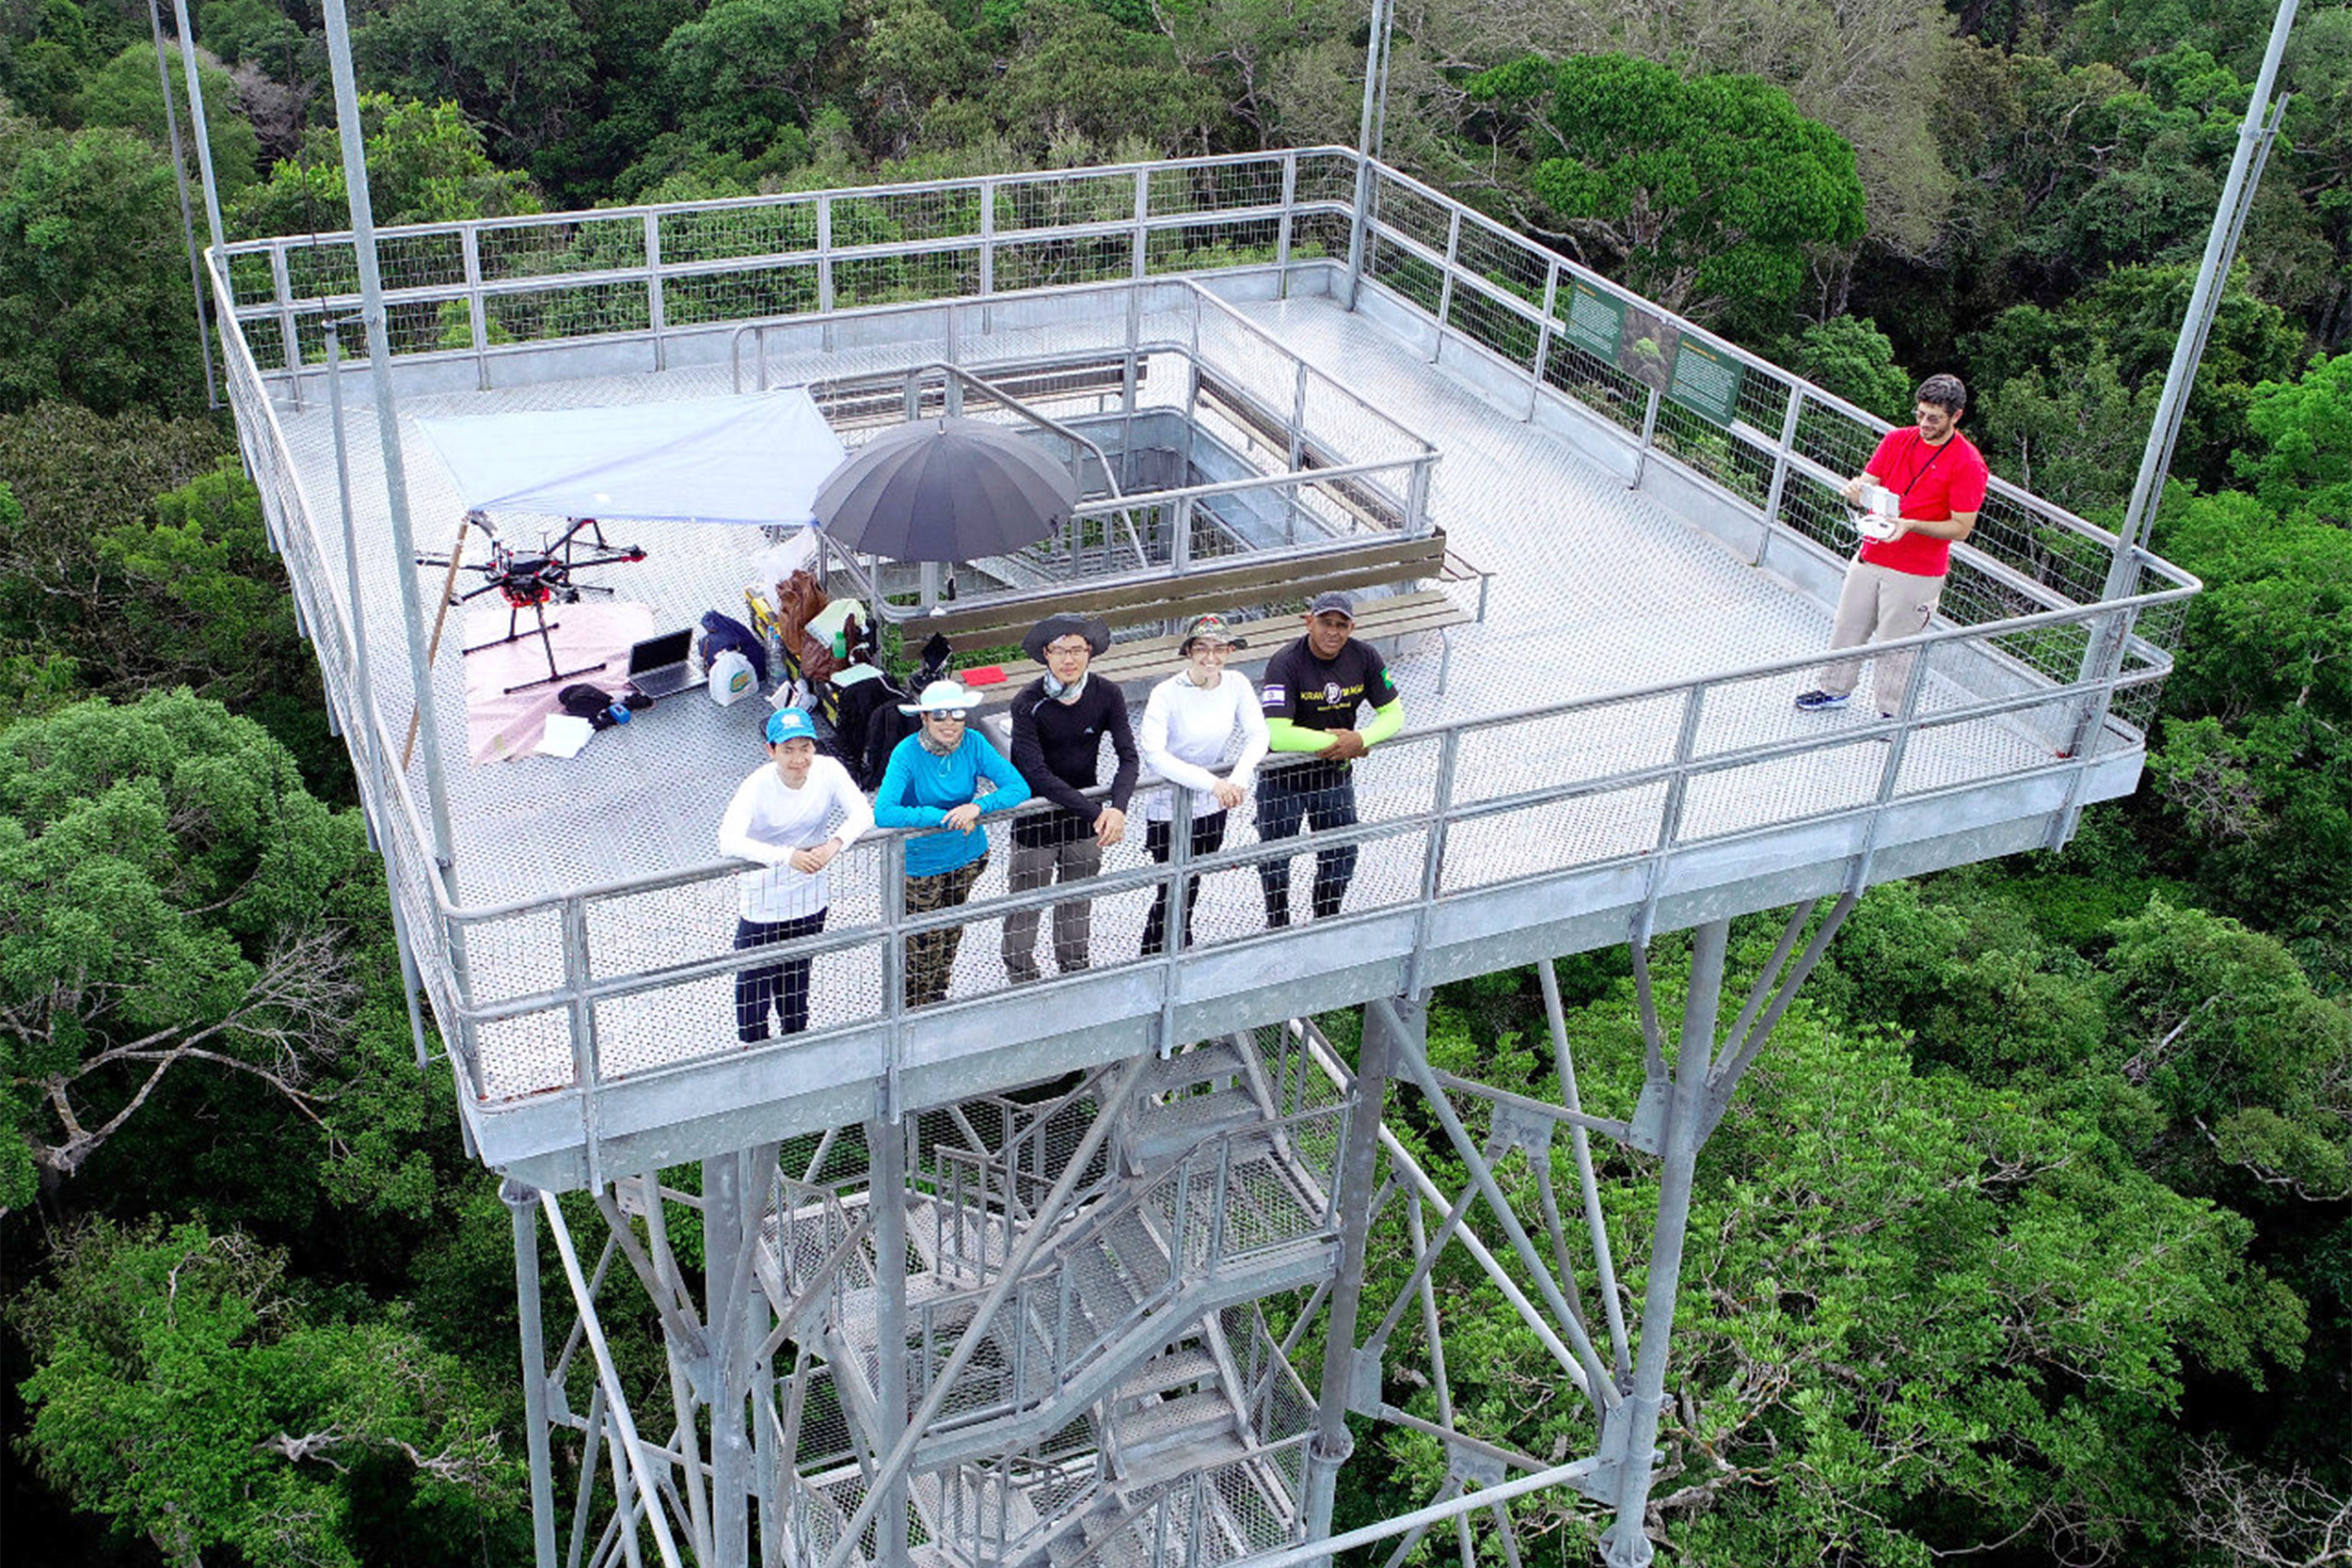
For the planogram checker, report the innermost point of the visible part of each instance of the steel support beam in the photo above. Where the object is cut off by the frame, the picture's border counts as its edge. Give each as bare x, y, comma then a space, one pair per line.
886, 1200
522, 1206
1630, 1431
1391, 1028
734, 1193
371, 312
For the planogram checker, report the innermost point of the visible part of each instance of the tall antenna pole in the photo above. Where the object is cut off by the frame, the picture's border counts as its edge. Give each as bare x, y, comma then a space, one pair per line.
1367, 141
195, 116
2104, 658
379, 347
187, 219
2228, 221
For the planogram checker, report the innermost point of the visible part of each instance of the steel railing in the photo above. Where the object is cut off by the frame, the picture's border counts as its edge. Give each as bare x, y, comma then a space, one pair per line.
2024, 593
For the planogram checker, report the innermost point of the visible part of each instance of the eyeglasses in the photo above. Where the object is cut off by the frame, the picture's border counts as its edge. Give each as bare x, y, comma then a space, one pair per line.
1067, 650
956, 714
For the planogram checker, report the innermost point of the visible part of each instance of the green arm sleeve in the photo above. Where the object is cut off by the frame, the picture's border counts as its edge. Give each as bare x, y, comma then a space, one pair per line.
1386, 722
1284, 735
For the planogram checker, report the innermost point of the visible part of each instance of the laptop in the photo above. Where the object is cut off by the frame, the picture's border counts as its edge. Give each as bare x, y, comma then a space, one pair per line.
657, 667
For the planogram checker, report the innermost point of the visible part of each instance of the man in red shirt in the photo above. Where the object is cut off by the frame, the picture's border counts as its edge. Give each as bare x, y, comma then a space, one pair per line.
1938, 479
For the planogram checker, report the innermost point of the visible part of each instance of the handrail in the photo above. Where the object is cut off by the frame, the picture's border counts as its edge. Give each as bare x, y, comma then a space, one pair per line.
2043, 556
1104, 172
1791, 664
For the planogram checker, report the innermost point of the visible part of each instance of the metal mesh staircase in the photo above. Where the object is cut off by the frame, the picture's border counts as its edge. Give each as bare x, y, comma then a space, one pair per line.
1128, 1403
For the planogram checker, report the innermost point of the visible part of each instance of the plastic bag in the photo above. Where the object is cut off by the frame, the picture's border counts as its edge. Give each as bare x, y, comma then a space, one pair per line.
731, 677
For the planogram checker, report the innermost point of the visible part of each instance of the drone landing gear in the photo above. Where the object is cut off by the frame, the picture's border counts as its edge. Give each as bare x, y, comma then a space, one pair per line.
546, 645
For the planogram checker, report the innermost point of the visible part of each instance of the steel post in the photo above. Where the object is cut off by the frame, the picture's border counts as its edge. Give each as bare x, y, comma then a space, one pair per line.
197, 121
1604, 1266
1649, 434
1390, 1027
2220, 242
886, 1196
187, 220
1631, 1430
386, 419
522, 1206
727, 1216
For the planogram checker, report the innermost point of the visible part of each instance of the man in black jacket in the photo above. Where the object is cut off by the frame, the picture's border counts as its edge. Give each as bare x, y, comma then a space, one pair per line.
1059, 722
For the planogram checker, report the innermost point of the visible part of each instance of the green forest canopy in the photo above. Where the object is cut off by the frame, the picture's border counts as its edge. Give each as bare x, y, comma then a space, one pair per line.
2094, 1111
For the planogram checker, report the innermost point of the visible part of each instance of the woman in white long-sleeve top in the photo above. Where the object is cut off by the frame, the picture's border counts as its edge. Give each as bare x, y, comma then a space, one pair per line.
1189, 726
792, 816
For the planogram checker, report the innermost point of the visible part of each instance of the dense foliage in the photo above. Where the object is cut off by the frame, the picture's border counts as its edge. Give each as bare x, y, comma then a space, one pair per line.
2031, 1239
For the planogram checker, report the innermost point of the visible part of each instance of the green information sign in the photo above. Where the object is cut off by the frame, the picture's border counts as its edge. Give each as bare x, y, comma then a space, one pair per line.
1706, 381
1595, 321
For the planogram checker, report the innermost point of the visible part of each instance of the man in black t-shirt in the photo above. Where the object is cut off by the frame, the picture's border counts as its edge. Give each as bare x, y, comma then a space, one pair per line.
1058, 723
1311, 693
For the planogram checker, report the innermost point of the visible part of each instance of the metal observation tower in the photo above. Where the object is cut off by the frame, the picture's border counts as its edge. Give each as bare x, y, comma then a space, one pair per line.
1114, 1271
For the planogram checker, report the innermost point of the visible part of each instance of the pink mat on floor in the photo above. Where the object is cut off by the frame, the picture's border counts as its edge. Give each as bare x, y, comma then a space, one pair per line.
501, 726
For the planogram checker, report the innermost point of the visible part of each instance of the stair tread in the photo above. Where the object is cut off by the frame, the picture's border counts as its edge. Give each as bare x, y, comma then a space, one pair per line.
1234, 1107
1183, 1459
1203, 1062
1157, 1419
1139, 1251
1168, 1370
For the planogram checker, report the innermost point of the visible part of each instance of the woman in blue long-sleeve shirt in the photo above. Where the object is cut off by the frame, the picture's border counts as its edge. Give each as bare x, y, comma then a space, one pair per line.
933, 782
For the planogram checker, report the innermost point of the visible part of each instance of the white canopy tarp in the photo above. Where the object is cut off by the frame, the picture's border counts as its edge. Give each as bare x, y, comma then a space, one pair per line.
755, 458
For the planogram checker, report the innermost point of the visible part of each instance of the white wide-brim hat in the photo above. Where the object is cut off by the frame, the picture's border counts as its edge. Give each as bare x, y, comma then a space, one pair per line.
940, 696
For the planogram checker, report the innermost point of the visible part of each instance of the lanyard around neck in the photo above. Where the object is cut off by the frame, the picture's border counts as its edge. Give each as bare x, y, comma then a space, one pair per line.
1939, 451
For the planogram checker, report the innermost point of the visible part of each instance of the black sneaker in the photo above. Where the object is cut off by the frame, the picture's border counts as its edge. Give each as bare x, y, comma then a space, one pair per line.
1822, 702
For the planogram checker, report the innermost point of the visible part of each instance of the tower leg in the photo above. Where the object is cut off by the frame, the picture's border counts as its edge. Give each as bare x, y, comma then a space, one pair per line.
730, 1224
886, 1149
1388, 1027
522, 1204
1632, 1433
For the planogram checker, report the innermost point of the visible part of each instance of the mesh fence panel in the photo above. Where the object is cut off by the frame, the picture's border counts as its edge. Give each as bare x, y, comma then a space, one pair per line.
733, 232
1214, 187
1414, 214
895, 218
1051, 201
575, 311
1422, 282
1319, 235
1595, 382
583, 243
1043, 263
893, 279
1722, 454
251, 277
739, 295
1325, 177
1509, 331
1199, 247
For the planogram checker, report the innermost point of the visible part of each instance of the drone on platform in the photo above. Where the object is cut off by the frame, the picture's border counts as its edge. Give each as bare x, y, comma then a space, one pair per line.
532, 578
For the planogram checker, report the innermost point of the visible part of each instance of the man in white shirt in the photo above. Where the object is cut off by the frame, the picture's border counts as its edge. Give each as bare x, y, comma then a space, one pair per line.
1189, 725
792, 817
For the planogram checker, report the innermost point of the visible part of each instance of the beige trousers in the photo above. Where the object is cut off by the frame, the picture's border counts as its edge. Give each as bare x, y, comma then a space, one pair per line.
1877, 604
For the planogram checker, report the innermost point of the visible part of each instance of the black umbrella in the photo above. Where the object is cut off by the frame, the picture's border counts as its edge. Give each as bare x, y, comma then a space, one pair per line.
945, 490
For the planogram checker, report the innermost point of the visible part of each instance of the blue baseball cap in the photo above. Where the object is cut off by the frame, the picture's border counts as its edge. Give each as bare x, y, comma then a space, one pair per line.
789, 723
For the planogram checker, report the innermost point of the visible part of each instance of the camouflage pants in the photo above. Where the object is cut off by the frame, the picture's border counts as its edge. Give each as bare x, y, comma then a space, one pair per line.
930, 956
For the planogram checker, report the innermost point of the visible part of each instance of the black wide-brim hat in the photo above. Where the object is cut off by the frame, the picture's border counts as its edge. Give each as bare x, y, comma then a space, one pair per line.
1055, 627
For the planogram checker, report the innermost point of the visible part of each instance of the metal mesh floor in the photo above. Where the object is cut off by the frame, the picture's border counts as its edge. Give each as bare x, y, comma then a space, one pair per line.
1596, 588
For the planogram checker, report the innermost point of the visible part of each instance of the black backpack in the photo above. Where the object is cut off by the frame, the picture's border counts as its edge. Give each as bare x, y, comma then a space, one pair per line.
885, 726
